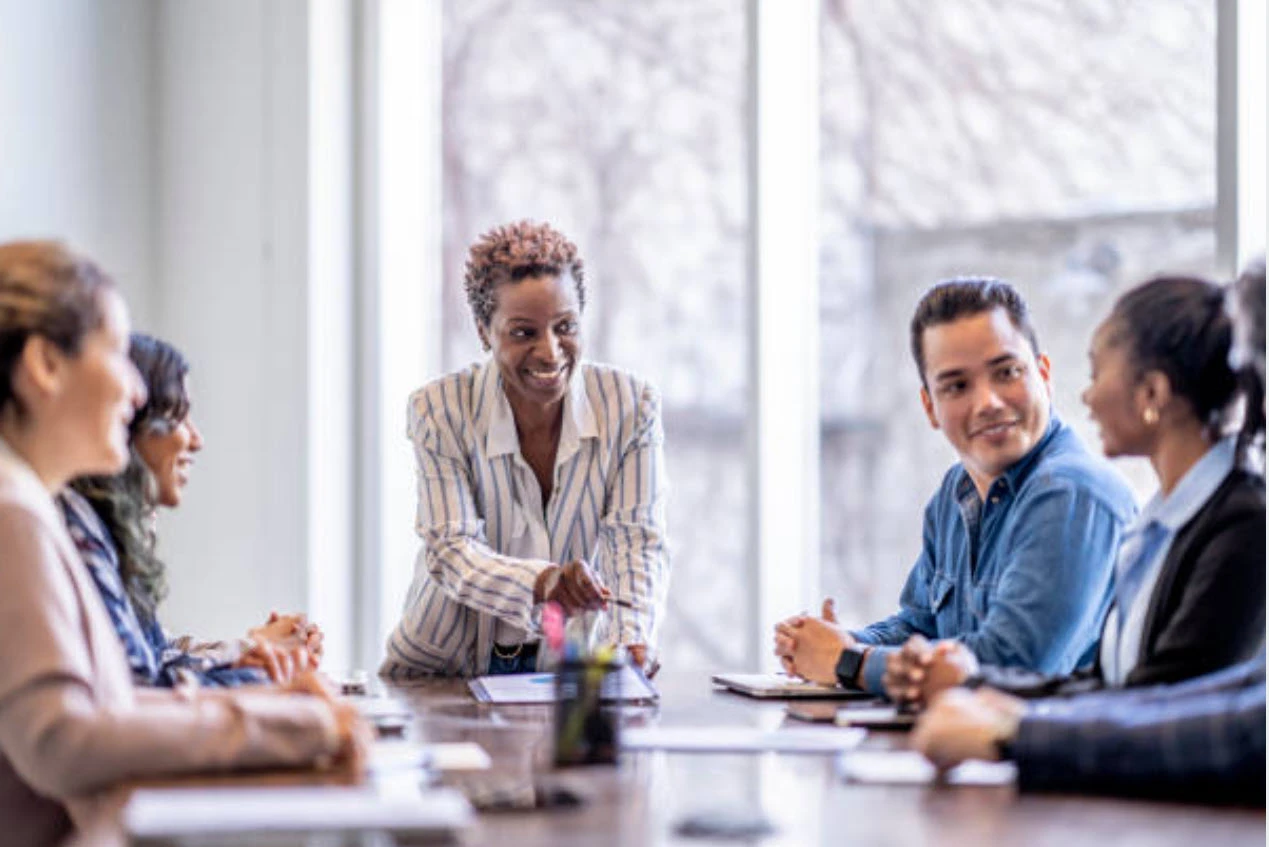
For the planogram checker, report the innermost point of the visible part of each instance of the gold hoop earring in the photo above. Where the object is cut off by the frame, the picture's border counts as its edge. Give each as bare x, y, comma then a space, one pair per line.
1150, 416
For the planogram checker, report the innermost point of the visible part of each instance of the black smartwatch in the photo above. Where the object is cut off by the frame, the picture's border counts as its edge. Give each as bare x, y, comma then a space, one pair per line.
848, 665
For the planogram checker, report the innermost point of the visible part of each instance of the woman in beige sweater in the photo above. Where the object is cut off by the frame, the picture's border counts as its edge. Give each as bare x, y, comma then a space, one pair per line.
71, 724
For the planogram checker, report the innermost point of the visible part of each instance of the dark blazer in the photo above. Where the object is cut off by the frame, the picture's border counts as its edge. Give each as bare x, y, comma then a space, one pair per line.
1207, 610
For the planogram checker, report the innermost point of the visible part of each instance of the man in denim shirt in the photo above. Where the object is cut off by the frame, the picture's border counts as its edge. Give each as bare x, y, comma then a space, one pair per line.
1019, 541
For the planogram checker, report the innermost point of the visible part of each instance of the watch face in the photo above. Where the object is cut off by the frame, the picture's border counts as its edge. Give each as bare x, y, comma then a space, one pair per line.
848, 667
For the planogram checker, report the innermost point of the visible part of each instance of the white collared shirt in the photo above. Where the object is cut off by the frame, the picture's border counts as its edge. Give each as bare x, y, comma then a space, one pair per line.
487, 535
1121, 645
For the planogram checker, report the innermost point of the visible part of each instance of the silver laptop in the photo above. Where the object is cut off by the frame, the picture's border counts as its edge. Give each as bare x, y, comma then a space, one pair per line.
779, 686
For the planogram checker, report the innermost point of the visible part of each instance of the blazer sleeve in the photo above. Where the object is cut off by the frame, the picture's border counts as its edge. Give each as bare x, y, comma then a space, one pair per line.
633, 554
1219, 617
65, 738
458, 555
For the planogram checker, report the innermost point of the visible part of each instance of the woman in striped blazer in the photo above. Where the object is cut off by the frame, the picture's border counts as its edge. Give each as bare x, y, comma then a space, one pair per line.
541, 477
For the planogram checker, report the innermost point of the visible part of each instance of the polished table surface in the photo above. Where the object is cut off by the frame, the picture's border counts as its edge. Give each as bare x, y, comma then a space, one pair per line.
648, 796
645, 798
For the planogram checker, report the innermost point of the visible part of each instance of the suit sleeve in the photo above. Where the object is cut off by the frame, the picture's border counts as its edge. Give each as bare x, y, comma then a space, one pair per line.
1205, 745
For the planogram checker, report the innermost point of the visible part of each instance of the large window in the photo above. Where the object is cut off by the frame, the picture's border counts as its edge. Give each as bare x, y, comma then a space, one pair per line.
1066, 146
624, 125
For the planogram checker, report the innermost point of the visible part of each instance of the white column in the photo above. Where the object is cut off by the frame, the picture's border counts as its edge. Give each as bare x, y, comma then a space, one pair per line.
332, 491
1253, 147
1240, 133
784, 213
400, 288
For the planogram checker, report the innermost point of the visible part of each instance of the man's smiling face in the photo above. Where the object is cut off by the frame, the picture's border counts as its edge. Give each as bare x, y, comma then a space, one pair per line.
987, 390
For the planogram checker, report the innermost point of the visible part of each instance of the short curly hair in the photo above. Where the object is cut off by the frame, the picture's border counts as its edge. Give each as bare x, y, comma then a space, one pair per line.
513, 252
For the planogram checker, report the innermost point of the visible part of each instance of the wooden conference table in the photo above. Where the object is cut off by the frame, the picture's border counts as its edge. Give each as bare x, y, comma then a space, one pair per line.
646, 798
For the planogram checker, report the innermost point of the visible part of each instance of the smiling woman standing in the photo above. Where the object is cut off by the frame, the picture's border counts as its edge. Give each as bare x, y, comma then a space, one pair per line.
540, 477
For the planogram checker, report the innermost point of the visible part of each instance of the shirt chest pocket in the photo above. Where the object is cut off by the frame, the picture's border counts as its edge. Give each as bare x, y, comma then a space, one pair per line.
942, 594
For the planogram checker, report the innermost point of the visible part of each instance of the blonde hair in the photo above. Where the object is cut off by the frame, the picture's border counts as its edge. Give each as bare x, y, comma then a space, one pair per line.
45, 290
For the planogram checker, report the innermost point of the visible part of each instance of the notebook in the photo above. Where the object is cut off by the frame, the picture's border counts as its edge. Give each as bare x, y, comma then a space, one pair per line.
540, 687
741, 739
778, 686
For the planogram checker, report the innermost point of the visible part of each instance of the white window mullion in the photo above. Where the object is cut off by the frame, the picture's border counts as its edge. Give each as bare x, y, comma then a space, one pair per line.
329, 333
1240, 137
400, 325
1252, 143
784, 215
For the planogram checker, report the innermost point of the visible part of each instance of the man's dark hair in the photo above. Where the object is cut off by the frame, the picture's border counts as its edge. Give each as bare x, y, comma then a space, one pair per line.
953, 299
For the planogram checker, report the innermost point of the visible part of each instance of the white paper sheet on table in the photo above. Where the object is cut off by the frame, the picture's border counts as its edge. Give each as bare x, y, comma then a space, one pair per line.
182, 812
380, 707
906, 767
741, 739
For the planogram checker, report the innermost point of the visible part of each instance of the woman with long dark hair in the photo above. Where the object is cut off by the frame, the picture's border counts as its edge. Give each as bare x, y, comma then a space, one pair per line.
112, 521
72, 725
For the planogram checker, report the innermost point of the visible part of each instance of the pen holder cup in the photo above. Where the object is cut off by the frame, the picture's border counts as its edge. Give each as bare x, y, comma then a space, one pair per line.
587, 717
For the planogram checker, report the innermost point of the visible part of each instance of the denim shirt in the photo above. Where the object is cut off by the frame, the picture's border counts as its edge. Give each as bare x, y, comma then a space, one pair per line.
155, 660
1022, 577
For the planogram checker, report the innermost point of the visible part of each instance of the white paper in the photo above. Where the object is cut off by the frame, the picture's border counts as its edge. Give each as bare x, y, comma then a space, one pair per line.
380, 707
741, 739
540, 687
869, 715
176, 812
411, 755
907, 767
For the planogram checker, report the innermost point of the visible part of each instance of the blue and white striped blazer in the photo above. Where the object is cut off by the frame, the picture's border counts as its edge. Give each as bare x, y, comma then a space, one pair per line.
607, 507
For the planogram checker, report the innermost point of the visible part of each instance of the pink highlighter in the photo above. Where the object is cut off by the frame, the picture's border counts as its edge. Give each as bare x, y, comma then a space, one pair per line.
553, 628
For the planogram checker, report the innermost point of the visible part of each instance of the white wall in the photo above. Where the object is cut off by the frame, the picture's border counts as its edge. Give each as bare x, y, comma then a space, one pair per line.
76, 130
249, 257
202, 152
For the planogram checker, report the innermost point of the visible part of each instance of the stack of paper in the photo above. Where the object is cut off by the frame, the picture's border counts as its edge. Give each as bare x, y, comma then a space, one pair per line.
170, 813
